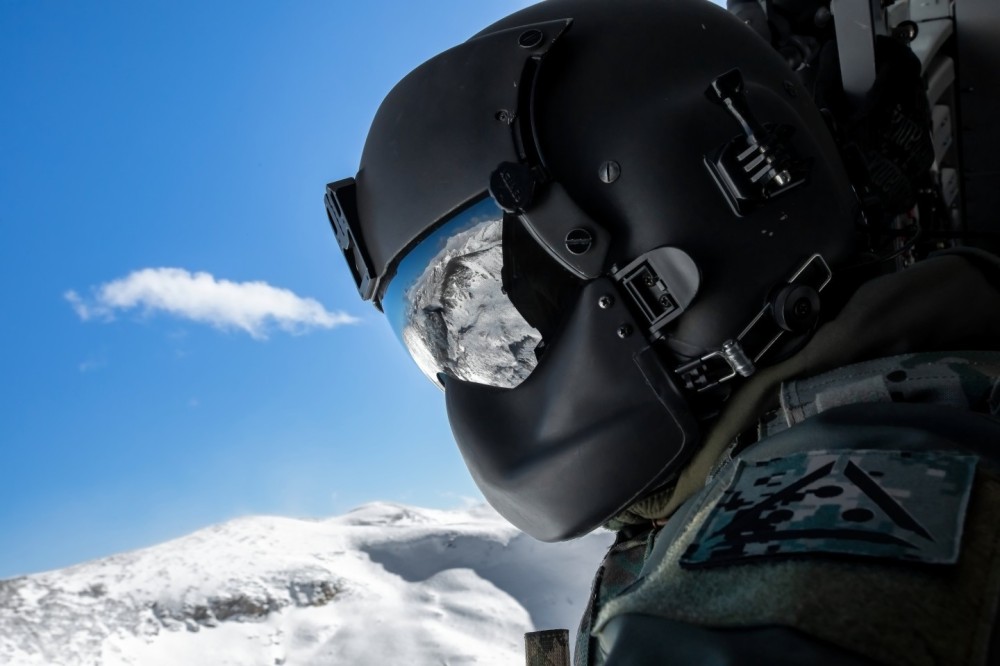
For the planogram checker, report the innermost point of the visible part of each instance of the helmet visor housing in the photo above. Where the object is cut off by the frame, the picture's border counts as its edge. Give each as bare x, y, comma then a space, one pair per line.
448, 305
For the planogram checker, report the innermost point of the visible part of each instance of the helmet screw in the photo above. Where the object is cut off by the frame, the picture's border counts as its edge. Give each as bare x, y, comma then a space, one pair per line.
802, 308
529, 39
609, 171
503, 115
605, 302
579, 241
624, 331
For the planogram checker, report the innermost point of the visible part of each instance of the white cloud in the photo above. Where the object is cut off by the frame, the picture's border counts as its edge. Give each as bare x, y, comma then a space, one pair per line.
254, 307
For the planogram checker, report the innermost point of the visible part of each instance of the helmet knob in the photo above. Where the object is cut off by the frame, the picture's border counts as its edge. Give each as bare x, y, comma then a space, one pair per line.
512, 186
796, 308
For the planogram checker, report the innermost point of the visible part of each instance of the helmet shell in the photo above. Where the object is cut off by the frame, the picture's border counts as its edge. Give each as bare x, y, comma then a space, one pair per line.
627, 83
601, 421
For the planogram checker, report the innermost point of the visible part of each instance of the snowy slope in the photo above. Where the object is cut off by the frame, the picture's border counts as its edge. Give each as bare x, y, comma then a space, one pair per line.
384, 584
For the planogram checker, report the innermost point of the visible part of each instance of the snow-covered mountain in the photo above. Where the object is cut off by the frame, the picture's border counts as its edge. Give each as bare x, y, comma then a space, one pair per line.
383, 584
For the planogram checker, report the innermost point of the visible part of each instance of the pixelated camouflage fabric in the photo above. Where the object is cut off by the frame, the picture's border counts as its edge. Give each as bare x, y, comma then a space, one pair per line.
618, 571
906, 505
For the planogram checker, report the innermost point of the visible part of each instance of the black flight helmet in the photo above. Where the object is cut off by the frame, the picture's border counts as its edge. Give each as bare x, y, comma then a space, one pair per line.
586, 223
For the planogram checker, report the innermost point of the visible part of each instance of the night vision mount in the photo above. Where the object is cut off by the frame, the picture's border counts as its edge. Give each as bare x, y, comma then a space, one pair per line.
341, 210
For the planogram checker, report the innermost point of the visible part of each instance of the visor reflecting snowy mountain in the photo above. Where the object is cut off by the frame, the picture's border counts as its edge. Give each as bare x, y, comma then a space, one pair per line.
447, 304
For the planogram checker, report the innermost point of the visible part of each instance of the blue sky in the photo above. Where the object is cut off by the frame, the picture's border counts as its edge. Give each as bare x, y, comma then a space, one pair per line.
173, 350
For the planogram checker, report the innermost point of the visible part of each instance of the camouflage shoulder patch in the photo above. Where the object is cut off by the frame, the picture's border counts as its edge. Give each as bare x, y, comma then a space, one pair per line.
905, 505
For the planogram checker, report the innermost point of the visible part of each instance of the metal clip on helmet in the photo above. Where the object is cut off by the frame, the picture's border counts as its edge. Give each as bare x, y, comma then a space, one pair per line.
580, 222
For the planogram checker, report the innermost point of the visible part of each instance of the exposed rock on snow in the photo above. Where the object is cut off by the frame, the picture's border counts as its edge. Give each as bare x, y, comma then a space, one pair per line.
461, 322
383, 584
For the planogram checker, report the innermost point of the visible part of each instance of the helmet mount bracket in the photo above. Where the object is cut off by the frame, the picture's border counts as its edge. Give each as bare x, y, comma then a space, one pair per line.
755, 166
661, 284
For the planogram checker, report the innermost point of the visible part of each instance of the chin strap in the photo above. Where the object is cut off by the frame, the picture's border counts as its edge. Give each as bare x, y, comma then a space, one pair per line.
794, 309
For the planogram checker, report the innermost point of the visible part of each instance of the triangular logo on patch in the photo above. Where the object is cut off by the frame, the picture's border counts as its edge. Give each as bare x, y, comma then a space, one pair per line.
896, 504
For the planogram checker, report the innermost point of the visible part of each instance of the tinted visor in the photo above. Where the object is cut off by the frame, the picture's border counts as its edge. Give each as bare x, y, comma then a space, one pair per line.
448, 304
